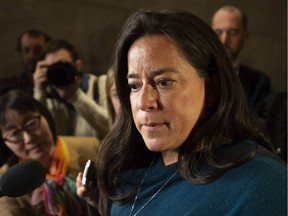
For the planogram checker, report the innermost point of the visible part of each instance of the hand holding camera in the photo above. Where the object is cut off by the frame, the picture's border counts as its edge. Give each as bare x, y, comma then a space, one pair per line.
62, 76
40, 75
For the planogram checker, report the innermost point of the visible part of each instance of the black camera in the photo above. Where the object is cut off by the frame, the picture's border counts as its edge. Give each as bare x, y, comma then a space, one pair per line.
61, 73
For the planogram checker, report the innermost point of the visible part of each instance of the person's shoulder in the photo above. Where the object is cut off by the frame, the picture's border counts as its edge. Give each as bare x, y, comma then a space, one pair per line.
249, 69
264, 180
99, 80
250, 72
265, 166
269, 163
102, 78
92, 75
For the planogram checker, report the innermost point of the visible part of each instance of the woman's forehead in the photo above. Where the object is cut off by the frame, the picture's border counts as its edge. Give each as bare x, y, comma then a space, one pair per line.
12, 114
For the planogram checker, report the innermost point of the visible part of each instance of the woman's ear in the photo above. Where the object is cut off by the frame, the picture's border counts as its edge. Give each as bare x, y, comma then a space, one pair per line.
212, 90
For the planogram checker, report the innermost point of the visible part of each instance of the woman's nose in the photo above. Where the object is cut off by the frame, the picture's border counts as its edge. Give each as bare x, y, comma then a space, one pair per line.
27, 137
148, 98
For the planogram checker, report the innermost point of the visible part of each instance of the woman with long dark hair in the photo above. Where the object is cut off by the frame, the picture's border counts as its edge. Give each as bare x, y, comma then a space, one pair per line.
184, 142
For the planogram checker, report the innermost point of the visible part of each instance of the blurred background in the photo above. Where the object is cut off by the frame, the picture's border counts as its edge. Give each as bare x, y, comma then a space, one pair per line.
93, 26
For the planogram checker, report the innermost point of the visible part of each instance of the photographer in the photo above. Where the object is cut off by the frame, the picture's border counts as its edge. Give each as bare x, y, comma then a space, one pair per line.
76, 100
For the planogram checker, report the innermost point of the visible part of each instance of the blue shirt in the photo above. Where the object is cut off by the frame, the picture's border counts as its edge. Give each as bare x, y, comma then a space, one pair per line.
258, 187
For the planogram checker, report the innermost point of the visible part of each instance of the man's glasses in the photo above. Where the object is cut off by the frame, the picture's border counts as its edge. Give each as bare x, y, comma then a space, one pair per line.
15, 135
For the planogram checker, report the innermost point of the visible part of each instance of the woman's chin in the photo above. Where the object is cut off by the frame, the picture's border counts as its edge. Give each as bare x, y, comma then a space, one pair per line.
155, 145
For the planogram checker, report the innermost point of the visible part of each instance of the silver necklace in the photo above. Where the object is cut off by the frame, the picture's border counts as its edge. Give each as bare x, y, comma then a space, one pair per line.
136, 197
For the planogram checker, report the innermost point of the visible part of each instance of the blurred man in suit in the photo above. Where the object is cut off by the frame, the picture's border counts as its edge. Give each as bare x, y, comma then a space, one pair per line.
230, 24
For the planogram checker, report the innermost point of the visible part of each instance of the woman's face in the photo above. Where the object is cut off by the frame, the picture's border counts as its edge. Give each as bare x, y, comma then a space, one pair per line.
167, 95
27, 135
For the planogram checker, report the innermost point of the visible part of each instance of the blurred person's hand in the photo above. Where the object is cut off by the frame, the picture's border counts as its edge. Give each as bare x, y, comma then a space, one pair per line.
40, 75
89, 194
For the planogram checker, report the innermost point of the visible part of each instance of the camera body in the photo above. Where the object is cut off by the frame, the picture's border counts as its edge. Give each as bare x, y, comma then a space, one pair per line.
61, 73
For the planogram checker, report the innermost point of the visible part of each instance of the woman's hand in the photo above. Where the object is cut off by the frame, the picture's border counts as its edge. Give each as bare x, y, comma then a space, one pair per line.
89, 194
37, 201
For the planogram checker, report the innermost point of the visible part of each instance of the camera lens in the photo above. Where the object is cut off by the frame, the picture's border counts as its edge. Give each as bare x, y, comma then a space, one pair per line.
61, 73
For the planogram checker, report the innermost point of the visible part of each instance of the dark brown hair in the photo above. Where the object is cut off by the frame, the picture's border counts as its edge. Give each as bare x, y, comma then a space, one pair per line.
58, 44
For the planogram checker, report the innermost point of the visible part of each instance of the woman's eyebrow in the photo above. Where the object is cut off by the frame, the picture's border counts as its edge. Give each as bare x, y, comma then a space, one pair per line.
132, 75
154, 73
9, 127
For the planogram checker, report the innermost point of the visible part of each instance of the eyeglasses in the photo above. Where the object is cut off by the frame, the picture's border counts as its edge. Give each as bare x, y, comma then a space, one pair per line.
15, 135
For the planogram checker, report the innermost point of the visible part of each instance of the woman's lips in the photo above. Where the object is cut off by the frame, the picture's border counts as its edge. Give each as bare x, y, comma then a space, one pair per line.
153, 126
34, 148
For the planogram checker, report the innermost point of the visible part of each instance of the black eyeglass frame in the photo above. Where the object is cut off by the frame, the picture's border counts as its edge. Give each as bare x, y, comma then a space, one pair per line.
27, 126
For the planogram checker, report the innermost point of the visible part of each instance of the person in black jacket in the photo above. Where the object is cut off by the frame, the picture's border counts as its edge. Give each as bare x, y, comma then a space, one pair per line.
230, 24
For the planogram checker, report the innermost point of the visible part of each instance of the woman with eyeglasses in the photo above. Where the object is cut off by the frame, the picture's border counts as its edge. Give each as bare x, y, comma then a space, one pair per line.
28, 133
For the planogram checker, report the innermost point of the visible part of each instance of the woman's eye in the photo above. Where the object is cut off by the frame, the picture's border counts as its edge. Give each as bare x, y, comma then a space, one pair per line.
164, 82
132, 86
14, 133
31, 125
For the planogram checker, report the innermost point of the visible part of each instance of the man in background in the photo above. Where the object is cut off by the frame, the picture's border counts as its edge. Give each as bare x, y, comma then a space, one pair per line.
76, 100
270, 109
230, 24
30, 45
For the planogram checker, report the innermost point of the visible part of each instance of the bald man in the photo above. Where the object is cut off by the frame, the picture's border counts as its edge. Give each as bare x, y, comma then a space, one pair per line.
230, 24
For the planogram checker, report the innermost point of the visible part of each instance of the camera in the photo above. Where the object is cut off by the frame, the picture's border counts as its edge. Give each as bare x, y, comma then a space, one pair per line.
89, 175
61, 73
